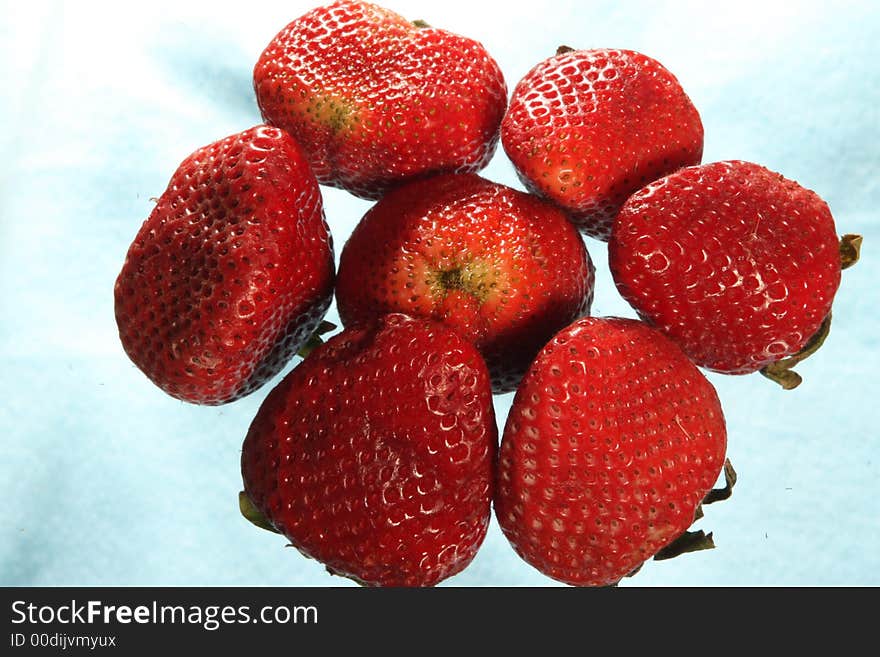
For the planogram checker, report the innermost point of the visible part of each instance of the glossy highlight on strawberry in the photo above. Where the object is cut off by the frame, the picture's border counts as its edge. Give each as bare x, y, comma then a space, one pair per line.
375, 454
503, 268
587, 128
613, 441
232, 271
736, 263
376, 99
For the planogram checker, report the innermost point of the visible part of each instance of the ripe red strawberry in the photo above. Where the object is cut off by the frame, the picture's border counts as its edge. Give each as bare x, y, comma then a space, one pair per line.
734, 262
232, 271
376, 99
374, 455
502, 267
587, 128
613, 440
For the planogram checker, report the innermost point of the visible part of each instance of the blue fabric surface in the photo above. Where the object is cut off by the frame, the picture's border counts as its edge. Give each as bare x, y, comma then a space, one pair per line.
105, 480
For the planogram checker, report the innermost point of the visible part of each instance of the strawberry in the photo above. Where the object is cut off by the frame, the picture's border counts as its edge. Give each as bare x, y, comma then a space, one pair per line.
613, 440
736, 263
374, 455
502, 267
232, 271
376, 99
587, 128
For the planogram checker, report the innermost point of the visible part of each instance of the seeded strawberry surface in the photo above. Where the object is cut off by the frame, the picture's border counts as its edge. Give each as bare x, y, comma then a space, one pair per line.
503, 268
587, 128
734, 262
375, 454
376, 99
613, 440
232, 271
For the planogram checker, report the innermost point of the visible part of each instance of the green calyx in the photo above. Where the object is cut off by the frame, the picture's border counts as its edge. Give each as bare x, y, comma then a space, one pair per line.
252, 514
781, 371
850, 249
315, 340
687, 542
721, 494
693, 541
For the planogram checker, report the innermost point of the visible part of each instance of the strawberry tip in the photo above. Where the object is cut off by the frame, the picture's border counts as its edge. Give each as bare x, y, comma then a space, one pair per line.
850, 249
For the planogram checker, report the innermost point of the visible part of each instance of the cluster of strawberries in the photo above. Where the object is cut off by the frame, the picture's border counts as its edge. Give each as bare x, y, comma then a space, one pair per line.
378, 453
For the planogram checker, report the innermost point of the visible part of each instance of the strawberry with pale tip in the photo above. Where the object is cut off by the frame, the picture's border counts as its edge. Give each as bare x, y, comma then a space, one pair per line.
502, 267
376, 99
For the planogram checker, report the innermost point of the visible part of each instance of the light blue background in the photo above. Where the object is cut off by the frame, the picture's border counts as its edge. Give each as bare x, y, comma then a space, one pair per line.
105, 480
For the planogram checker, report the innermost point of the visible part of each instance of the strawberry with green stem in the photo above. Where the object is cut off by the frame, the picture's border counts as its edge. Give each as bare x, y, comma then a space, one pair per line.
587, 128
612, 443
736, 263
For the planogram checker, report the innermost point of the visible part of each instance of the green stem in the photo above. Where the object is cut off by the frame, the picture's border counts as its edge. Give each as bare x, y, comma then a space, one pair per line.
315, 339
687, 542
850, 249
252, 514
719, 494
781, 371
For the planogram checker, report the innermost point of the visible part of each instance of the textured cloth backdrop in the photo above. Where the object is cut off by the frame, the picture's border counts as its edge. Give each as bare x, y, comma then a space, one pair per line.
106, 480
